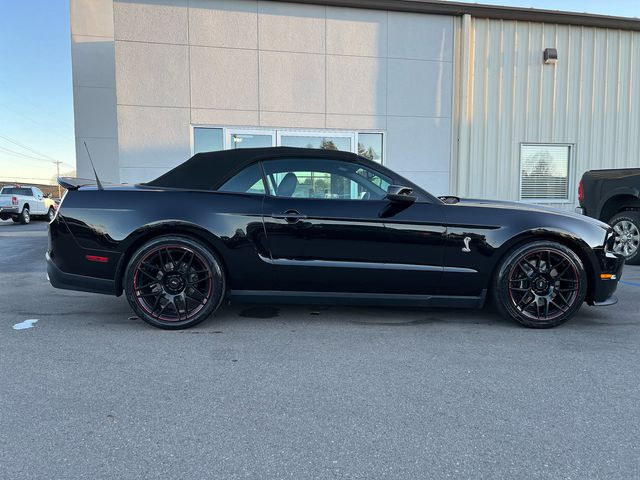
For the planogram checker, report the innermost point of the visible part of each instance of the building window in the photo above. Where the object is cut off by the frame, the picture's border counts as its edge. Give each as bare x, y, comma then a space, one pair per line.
323, 140
249, 138
207, 139
544, 172
367, 144
370, 146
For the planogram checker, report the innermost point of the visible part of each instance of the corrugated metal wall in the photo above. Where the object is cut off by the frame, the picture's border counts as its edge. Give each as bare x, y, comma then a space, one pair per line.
590, 99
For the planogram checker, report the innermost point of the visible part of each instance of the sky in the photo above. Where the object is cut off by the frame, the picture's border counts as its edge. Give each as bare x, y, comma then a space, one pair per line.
36, 101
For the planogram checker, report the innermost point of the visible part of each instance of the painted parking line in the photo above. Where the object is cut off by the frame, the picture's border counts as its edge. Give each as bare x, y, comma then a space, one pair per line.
634, 284
29, 323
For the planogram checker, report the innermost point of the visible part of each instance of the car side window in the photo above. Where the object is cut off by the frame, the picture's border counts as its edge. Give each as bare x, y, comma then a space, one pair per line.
327, 179
248, 180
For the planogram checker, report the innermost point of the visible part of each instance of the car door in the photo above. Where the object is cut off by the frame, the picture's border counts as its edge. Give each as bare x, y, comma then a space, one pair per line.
330, 228
38, 207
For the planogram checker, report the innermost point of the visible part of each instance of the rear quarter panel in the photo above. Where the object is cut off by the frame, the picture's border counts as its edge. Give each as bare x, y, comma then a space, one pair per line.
602, 185
117, 222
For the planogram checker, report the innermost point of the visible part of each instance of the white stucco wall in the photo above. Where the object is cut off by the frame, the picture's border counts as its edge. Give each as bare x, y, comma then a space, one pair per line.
272, 64
94, 87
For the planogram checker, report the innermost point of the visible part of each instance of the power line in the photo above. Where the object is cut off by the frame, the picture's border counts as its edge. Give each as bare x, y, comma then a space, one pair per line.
37, 107
13, 152
14, 179
29, 158
15, 142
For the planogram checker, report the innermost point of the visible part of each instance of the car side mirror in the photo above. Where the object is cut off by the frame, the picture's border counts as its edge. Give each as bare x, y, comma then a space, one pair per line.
47, 195
400, 194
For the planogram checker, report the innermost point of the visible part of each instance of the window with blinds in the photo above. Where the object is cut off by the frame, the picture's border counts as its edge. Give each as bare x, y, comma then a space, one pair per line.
544, 172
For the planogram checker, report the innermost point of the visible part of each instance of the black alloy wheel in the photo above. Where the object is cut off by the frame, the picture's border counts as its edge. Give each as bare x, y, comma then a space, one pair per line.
174, 282
541, 284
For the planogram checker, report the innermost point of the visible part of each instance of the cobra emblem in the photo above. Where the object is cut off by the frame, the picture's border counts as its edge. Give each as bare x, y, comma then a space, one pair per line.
466, 248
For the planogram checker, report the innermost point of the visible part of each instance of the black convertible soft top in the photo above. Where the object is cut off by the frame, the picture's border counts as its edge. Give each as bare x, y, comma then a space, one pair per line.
209, 170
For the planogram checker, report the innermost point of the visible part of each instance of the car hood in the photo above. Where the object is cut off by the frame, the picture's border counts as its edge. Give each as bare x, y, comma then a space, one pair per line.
527, 207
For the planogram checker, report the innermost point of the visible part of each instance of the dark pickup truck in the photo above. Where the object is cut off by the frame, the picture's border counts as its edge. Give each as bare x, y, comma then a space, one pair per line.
613, 196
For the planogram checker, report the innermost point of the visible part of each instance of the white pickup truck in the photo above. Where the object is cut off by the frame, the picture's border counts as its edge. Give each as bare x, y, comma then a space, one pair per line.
21, 204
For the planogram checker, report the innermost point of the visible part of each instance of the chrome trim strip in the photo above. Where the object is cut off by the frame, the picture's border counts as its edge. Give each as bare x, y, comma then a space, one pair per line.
459, 270
364, 265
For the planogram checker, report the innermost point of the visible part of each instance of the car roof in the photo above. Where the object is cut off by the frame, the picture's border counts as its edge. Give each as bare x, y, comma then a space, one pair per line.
209, 170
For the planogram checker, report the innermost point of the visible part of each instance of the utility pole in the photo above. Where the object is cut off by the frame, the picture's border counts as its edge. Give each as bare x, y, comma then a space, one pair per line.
58, 162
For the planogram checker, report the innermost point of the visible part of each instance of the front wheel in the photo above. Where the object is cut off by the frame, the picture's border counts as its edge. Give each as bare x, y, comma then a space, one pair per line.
541, 284
626, 226
174, 282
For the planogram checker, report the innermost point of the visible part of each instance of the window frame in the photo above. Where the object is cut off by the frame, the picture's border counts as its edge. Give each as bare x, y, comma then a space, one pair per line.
277, 133
570, 173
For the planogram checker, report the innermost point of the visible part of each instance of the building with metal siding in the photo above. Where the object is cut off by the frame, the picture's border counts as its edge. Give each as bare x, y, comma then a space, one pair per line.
589, 101
455, 96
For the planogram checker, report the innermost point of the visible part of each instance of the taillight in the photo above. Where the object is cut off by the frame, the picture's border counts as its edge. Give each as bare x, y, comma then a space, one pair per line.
14, 200
580, 192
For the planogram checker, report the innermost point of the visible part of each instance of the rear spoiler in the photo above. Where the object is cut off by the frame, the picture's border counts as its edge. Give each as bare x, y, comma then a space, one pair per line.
71, 183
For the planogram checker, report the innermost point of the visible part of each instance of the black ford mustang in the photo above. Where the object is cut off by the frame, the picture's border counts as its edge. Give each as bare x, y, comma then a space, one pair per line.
318, 226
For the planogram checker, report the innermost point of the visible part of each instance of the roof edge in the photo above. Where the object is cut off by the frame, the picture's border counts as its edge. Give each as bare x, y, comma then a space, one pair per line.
487, 11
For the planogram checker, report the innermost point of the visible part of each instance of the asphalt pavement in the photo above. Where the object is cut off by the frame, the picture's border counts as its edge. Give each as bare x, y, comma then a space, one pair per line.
308, 392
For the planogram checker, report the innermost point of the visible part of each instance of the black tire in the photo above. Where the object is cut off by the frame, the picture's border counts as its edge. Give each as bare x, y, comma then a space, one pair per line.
541, 284
627, 228
50, 214
174, 282
25, 216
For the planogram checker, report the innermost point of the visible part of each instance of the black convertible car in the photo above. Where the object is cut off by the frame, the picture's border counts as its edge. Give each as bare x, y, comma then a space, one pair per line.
320, 226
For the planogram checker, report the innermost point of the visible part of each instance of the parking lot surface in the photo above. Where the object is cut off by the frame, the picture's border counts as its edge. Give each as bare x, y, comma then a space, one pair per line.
308, 392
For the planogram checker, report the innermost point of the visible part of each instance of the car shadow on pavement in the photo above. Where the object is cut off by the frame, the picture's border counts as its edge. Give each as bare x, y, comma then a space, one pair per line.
363, 316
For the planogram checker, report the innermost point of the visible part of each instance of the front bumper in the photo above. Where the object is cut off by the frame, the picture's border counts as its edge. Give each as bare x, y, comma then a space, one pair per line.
606, 279
82, 283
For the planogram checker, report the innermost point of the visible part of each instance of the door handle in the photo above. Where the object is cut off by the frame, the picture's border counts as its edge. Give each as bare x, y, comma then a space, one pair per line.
290, 216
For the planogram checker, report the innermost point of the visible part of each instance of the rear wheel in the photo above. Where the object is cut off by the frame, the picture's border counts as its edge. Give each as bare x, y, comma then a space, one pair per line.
626, 226
541, 284
25, 216
174, 282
